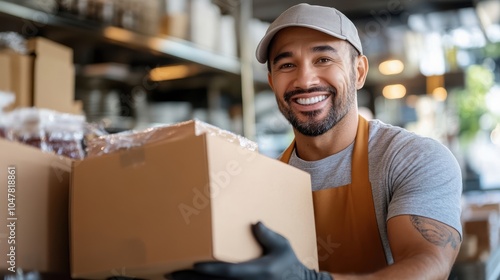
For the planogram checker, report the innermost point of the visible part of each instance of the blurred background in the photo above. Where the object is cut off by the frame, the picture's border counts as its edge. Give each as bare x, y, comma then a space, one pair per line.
434, 67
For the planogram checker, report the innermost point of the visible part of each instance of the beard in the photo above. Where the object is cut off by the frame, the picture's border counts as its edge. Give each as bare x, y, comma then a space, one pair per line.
339, 107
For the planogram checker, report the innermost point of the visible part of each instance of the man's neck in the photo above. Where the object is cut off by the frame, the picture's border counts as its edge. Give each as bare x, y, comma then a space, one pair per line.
333, 141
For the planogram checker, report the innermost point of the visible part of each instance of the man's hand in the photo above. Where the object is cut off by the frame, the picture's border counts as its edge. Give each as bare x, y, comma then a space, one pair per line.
277, 263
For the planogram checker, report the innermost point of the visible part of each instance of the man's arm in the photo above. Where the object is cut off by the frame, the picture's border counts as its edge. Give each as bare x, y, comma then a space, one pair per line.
422, 248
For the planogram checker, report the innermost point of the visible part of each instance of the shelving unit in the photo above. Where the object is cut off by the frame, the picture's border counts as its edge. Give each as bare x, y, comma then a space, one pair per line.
166, 46
141, 51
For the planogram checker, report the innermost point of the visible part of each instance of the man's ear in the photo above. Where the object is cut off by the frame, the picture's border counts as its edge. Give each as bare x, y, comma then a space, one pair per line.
362, 70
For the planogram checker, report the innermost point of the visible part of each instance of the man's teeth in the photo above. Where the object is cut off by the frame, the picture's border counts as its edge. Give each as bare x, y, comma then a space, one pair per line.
311, 100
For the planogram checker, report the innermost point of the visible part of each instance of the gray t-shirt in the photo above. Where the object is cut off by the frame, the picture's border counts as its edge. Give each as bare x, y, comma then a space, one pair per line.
409, 174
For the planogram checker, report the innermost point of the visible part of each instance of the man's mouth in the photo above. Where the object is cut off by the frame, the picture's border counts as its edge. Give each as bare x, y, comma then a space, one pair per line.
311, 100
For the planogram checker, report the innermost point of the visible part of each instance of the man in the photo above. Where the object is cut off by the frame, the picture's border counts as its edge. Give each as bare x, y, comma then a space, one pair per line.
389, 198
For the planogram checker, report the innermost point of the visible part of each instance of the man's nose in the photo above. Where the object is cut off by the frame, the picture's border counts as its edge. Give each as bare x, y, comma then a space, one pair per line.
306, 77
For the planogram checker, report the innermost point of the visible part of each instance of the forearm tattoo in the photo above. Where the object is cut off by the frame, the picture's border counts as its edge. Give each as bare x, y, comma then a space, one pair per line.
434, 232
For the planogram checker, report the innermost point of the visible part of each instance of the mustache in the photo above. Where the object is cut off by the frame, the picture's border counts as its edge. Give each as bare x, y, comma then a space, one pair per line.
289, 94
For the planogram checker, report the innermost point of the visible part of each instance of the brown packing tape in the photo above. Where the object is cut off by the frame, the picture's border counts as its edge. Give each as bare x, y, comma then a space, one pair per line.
132, 157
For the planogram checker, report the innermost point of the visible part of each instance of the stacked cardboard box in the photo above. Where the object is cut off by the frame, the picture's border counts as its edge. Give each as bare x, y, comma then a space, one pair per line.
43, 78
481, 229
37, 209
146, 210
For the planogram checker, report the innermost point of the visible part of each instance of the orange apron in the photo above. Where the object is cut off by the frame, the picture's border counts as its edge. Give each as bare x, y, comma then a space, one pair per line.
346, 226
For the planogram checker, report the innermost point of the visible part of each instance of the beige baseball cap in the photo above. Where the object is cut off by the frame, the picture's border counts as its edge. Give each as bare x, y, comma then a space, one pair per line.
325, 19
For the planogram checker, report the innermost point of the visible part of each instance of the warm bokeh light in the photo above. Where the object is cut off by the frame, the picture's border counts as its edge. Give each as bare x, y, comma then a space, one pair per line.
440, 94
169, 73
394, 91
391, 67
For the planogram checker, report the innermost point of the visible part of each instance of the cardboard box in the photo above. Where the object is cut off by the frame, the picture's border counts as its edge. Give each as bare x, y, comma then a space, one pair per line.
53, 75
150, 210
485, 226
45, 78
175, 25
40, 230
16, 77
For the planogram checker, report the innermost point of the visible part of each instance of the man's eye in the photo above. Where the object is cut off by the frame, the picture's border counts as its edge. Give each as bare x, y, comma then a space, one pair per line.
286, 65
324, 59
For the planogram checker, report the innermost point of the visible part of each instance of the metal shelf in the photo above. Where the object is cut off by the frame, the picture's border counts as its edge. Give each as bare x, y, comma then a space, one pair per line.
168, 46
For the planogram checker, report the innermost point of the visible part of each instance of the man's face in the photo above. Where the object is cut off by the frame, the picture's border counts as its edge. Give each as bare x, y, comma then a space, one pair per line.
313, 78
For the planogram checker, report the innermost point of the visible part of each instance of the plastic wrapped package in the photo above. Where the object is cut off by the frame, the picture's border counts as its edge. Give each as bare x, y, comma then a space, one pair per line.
13, 41
25, 125
129, 139
6, 99
47, 130
92, 131
65, 135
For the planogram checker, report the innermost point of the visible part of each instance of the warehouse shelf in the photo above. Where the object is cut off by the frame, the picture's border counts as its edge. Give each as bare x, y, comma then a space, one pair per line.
94, 42
168, 46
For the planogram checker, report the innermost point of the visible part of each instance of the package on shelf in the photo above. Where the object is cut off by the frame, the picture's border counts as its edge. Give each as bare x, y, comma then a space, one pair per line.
53, 75
47, 130
151, 17
42, 77
481, 223
15, 69
226, 43
204, 24
189, 192
175, 19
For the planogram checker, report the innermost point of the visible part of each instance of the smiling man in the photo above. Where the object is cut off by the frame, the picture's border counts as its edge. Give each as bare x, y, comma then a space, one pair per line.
389, 199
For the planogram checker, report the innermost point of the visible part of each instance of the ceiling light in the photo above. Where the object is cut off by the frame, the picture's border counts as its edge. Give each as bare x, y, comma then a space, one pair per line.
391, 67
394, 91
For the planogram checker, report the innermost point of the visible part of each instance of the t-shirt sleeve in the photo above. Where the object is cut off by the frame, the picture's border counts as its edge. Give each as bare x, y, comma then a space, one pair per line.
426, 180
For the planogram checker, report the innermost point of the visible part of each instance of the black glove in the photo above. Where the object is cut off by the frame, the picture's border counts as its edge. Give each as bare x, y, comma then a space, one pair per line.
277, 263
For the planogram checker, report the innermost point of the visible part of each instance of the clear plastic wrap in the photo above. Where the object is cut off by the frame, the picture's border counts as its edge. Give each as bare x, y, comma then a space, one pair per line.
6, 98
65, 135
47, 130
25, 125
13, 41
129, 139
